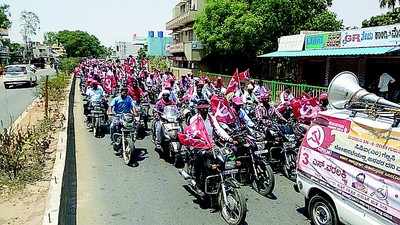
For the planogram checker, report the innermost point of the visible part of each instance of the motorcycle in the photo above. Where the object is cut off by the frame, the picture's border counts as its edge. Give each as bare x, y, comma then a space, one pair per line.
96, 119
218, 184
254, 167
126, 137
170, 126
282, 147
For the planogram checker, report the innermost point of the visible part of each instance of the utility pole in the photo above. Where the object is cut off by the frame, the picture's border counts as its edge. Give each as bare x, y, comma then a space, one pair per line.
46, 97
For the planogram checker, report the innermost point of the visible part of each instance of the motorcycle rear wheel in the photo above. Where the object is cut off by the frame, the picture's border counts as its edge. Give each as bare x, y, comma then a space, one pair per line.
236, 205
266, 179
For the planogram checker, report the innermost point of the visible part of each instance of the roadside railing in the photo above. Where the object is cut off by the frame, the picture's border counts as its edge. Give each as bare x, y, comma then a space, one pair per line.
276, 87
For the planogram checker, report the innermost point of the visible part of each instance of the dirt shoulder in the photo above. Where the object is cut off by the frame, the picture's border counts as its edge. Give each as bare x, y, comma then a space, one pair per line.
26, 204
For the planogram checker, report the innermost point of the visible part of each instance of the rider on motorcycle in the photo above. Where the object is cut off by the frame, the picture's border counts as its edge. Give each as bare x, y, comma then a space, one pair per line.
286, 96
135, 92
265, 112
120, 105
95, 94
243, 119
159, 110
211, 127
199, 95
249, 97
323, 101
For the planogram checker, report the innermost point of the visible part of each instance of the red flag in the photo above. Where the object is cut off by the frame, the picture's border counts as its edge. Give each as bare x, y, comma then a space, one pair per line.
233, 85
244, 75
109, 83
221, 110
195, 135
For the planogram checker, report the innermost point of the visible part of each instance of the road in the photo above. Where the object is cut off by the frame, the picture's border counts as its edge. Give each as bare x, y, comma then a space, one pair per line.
15, 100
109, 192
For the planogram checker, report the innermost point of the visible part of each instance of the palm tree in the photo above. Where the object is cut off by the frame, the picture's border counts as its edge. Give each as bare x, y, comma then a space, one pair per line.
388, 3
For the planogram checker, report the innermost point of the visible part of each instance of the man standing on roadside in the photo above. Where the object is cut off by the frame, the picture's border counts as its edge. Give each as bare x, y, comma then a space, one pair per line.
384, 81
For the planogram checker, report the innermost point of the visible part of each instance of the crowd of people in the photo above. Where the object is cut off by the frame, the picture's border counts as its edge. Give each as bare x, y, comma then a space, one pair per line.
122, 86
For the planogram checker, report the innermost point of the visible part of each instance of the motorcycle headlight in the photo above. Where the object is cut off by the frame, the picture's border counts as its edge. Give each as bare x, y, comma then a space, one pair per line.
230, 165
289, 145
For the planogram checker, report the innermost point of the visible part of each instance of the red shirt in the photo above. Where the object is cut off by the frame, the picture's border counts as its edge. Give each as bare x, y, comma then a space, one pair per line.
135, 93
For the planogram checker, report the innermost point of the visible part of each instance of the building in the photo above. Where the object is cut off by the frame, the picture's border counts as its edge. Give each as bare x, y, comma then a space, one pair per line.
123, 49
58, 50
157, 46
186, 51
316, 57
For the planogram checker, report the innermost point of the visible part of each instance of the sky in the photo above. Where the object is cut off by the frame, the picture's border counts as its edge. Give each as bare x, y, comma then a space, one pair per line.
119, 20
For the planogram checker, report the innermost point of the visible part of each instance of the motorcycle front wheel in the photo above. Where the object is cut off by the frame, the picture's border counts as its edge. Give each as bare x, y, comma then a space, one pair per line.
96, 127
128, 152
234, 210
289, 166
265, 183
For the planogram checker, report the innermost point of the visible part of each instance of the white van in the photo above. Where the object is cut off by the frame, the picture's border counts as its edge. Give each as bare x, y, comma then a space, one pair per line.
348, 166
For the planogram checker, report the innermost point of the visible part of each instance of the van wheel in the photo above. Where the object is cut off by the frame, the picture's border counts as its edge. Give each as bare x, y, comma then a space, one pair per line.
322, 211
6, 86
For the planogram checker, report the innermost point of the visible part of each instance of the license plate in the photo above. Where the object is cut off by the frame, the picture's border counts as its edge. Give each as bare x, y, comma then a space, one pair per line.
229, 172
260, 152
175, 146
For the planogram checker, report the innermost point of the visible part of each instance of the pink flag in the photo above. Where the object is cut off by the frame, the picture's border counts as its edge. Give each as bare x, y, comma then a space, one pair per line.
195, 135
221, 110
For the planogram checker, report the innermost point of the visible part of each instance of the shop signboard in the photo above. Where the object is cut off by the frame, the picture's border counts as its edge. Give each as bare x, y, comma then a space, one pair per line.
356, 160
291, 43
382, 36
323, 40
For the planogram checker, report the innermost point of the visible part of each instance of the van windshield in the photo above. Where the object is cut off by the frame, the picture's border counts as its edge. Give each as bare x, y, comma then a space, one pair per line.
15, 69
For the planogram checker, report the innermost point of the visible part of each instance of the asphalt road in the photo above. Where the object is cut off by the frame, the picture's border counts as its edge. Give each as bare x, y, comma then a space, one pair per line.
109, 192
15, 100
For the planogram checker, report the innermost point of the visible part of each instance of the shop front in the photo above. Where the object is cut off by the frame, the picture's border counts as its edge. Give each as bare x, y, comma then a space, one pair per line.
318, 57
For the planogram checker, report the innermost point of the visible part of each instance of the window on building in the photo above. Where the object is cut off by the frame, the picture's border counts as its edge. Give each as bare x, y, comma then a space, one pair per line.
182, 9
190, 35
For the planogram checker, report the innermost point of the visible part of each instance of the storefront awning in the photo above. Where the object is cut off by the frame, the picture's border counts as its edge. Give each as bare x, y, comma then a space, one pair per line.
332, 52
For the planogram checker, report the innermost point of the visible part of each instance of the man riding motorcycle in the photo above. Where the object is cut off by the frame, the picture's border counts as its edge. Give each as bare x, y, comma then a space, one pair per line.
323, 101
211, 127
199, 95
243, 119
120, 105
95, 94
159, 110
265, 112
135, 92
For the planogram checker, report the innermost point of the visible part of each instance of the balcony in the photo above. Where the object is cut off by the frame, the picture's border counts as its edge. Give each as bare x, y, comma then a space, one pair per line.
176, 48
181, 20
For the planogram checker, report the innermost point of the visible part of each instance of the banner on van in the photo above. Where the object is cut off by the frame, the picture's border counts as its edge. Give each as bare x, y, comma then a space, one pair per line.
361, 163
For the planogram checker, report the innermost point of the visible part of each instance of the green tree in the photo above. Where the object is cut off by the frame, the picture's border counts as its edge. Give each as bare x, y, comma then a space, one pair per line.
80, 44
5, 22
248, 28
391, 4
50, 38
388, 18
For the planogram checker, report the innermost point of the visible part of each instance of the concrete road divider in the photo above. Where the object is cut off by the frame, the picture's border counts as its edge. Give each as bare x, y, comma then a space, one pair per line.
54, 213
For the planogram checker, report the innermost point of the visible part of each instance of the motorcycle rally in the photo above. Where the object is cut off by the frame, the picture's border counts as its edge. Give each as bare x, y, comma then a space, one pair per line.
219, 135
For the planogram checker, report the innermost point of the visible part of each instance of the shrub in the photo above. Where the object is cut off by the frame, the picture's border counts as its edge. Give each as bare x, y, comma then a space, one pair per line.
67, 65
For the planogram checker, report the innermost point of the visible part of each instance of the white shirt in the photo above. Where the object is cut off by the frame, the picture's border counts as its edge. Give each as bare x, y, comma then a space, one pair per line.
384, 81
95, 95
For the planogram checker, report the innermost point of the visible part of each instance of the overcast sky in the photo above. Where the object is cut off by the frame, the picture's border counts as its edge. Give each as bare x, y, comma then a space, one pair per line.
118, 20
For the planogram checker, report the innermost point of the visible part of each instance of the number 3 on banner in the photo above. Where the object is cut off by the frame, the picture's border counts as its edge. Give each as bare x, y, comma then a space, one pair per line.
305, 159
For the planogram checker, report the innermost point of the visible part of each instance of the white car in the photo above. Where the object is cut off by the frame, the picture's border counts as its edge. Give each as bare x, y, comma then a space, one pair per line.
19, 74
